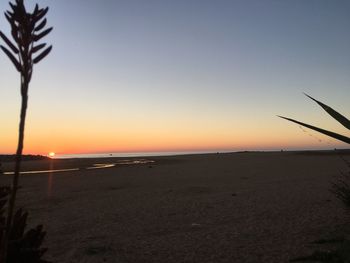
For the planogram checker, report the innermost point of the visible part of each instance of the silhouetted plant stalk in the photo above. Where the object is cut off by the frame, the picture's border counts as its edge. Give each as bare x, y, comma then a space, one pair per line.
26, 30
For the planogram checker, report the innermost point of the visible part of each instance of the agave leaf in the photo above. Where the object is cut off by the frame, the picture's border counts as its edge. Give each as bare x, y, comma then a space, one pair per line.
328, 133
41, 25
336, 115
36, 9
9, 18
20, 219
42, 34
11, 57
37, 48
42, 55
20, 4
9, 13
41, 14
9, 43
13, 7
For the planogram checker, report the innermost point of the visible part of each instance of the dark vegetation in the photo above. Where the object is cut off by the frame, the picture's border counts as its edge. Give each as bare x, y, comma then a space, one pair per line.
29, 157
27, 28
336, 115
340, 187
23, 246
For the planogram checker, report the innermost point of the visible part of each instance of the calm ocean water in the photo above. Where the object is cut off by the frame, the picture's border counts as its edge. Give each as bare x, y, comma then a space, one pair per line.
150, 154
134, 154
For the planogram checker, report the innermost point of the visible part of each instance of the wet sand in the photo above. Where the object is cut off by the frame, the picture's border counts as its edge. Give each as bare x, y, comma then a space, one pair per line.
240, 207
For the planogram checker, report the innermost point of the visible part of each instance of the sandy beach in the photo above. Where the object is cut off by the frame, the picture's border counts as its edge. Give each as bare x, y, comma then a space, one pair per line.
239, 207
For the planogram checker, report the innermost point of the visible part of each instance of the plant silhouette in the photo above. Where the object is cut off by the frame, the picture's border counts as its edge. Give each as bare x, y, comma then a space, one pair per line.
23, 246
340, 188
336, 115
27, 29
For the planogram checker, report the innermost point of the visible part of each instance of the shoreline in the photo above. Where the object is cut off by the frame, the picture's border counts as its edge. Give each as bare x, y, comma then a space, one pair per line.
56, 165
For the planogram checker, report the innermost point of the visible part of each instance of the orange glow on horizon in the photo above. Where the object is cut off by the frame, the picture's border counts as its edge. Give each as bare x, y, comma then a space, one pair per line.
166, 144
69, 139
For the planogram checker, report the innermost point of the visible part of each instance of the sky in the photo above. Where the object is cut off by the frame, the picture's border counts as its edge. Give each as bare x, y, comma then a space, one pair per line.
185, 75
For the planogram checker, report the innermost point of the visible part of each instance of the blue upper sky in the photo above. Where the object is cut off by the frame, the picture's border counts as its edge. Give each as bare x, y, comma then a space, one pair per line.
176, 69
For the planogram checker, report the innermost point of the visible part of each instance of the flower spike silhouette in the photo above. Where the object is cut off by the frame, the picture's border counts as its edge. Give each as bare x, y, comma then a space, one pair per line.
27, 29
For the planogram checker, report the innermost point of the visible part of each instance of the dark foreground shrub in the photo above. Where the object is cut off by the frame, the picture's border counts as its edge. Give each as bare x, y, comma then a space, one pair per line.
24, 246
341, 187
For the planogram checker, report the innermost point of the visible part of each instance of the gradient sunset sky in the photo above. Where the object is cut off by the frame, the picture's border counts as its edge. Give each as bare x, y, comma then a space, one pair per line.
165, 75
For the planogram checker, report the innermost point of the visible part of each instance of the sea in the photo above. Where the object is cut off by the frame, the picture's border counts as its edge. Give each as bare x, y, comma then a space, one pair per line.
131, 154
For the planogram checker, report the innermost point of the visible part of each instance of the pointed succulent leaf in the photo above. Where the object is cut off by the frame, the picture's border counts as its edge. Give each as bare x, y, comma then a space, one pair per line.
13, 7
12, 58
10, 14
20, 5
41, 14
41, 25
9, 18
36, 9
336, 115
328, 133
42, 34
19, 224
9, 43
37, 48
42, 55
